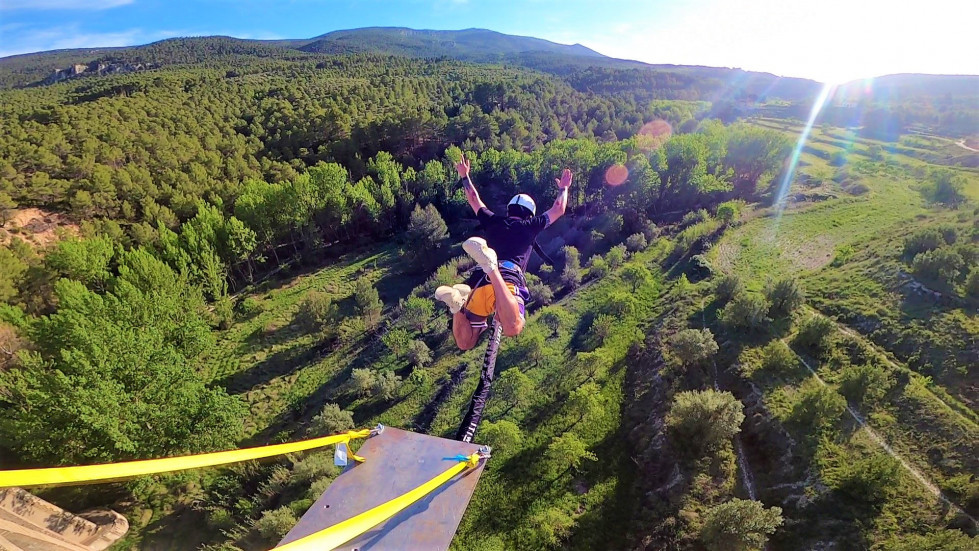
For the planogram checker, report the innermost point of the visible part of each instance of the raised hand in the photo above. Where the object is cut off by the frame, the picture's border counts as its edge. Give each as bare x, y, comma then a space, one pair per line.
462, 167
564, 182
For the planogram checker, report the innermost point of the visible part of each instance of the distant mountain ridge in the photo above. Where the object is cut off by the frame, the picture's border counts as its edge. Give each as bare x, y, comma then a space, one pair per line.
583, 68
468, 45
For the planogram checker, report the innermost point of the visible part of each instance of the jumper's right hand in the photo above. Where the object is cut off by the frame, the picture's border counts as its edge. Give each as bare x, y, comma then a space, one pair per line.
564, 182
462, 167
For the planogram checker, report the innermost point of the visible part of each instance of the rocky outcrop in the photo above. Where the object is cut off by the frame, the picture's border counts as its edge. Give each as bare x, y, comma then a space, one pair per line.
98, 67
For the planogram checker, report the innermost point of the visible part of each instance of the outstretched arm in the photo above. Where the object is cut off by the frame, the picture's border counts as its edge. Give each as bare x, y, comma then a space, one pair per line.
561, 203
462, 167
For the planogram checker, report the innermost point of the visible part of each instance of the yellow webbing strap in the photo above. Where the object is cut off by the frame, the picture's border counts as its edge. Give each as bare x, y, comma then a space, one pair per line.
112, 471
338, 534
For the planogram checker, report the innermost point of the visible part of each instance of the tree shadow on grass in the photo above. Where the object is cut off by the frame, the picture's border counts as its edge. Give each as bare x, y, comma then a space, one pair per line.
276, 365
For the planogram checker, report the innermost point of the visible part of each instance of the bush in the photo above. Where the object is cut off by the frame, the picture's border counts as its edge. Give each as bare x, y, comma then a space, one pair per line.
615, 256
316, 311
319, 487
927, 239
313, 467
571, 274
692, 347
817, 407
739, 525
785, 296
729, 211
274, 525
597, 267
351, 329
943, 540
695, 217
363, 381
843, 255
424, 236
387, 383
539, 291
940, 265
945, 188
746, 311
865, 384
504, 437
702, 422
416, 312
368, 301
728, 287
249, 307
419, 354
814, 333
779, 359
636, 242
397, 341
972, 284
867, 479
636, 275
224, 313
332, 419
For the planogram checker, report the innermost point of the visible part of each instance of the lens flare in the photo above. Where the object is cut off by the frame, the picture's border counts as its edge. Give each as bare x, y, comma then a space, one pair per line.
616, 175
783, 188
653, 134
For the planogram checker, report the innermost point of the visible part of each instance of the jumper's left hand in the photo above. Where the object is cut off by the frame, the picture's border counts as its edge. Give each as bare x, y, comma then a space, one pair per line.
564, 182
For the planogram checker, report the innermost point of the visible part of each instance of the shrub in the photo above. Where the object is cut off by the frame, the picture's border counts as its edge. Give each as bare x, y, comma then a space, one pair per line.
727, 287
249, 307
778, 358
940, 265
368, 302
313, 467
729, 211
700, 267
565, 453
942, 540
424, 235
363, 381
316, 310
843, 255
387, 383
597, 267
275, 524
945, 187
785, 296
319, 487
571, 274
504, 437
695, 217
927, 239
746, 311
636, 242
419, 354
868, 479
972, 284
397, 341
615, 256
351, 328
332, 419
865, 384
416, 312
817, 407
540, 292
814, 333
692, 347
702, 422
636, 275
224, 313
739, 525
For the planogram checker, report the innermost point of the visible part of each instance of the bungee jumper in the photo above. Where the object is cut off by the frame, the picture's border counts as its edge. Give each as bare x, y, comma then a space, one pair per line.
497, 286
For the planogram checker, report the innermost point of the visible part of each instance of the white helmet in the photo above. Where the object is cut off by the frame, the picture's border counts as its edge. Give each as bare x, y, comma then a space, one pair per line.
525, 201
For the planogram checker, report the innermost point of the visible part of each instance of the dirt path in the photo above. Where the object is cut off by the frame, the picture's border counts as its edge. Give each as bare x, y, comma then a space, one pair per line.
961, 143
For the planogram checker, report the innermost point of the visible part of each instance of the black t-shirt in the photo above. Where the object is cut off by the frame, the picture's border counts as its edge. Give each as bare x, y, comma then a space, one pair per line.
511, 238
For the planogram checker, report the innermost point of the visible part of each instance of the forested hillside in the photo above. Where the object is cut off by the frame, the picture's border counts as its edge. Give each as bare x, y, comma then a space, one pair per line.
747, 341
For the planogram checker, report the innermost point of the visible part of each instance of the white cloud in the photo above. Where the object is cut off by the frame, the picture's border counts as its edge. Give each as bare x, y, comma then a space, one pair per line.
89, 5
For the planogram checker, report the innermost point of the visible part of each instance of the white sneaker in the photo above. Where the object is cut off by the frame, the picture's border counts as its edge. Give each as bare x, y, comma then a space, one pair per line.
477, 248
454, 297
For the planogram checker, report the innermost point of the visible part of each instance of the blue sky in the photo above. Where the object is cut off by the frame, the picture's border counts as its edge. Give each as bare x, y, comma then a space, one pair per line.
829, 40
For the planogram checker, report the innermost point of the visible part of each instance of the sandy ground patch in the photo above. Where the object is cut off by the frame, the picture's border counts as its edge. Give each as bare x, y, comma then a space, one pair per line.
38, 227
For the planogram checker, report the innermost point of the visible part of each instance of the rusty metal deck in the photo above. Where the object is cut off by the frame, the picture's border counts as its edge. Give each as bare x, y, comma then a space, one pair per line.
397, 462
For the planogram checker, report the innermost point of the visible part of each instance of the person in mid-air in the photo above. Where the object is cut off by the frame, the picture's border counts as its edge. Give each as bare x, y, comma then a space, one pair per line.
498, 284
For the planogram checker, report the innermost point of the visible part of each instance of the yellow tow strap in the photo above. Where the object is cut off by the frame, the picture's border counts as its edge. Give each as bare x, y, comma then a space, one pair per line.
112, 471
340, 533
